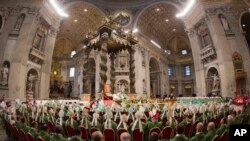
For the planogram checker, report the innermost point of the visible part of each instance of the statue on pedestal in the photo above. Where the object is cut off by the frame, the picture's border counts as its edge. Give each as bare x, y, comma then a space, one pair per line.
4, 74
224, 22
122, 88
30, 84
19, 22
216, 85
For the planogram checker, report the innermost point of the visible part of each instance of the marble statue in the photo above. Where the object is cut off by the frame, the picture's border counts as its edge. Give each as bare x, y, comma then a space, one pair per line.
30, 83
216, 82
39, 37
122, 88
37, 41
19, 22
224, 23
5, 73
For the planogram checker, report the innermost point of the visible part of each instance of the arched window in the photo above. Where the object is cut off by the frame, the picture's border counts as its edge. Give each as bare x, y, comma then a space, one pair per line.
72, 72
187, 70
245, 26
170, 70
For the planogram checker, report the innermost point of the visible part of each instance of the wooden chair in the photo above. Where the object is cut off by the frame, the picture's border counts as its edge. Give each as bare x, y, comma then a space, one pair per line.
39, 138
166, 133
224, 136
84, 133
92, 130
137, 135
155, 129
216, 138
70, 131
23, 135
51, 127
109, 134
119, 132
188, 129
29, 137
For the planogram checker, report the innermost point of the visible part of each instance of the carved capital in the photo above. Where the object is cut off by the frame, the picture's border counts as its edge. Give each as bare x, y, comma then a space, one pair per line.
53, 31
191, 32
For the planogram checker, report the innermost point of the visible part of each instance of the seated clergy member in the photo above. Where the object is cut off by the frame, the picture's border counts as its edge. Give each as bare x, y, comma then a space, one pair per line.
179, 136
223, 126
198, 135
125, 136
58, 135
154, 136
210, 131
97, 136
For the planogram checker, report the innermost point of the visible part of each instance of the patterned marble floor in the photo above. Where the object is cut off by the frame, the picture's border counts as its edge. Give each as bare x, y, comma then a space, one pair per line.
3, 136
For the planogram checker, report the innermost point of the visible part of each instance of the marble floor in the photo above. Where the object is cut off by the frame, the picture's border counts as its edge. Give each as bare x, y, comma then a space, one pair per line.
3, 136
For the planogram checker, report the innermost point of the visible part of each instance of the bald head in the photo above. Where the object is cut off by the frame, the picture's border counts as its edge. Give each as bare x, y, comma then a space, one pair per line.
199, 127
125, 136
230, 118
210, 126
223, 121
97, 136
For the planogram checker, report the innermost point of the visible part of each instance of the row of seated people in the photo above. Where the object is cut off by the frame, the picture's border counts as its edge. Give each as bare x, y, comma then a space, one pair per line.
212, 134
48, 130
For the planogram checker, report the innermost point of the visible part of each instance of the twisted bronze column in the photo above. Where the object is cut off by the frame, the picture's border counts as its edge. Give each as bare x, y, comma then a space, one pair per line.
132, 70
112, 72
103, 65
85, 87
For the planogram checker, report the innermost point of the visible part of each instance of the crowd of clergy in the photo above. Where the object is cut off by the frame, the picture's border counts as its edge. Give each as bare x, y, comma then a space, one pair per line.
73, 121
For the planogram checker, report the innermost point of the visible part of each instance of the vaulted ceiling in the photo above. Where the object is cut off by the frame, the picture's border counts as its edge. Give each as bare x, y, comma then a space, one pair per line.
83, 18
155, 21
159, 23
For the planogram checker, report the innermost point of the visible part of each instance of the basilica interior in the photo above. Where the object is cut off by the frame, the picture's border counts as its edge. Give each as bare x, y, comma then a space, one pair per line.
151, 51
147, 49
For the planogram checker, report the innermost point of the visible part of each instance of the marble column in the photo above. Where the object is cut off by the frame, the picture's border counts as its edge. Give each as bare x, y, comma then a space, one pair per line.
224, 55
24, 41
103, 65
4, 35
97, 73
147, 73
85, 88
46, 67
132, 70
200, 87
112, 72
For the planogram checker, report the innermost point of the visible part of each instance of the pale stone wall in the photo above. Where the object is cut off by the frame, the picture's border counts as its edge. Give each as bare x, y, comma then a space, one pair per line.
16, 46
225, 44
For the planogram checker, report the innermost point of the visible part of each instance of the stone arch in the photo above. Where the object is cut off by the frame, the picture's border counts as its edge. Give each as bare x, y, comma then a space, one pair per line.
213, 82
155, 74
2, 21
154, 64
244, 24
32, 84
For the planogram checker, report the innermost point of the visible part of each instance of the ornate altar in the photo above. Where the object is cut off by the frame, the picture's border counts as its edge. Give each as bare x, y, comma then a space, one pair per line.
109, 39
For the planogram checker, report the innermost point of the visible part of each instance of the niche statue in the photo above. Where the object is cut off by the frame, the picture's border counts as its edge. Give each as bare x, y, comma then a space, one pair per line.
4, 75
